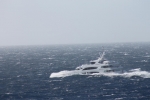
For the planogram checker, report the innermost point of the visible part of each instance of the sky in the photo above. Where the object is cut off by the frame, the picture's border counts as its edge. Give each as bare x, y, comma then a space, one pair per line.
45, 22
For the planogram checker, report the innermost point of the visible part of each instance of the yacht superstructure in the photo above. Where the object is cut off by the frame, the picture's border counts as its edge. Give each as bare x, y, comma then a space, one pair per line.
101, 65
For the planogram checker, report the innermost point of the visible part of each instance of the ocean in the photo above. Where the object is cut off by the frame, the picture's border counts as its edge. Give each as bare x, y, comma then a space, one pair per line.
47, 72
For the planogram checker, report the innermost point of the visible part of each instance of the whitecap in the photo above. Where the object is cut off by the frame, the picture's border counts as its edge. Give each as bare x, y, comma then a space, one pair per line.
8, 93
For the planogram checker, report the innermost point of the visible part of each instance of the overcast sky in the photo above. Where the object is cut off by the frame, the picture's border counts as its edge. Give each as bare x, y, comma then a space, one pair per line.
42, 22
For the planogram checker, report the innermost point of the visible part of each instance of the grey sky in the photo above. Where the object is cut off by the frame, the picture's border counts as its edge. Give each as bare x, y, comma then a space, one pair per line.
37, 22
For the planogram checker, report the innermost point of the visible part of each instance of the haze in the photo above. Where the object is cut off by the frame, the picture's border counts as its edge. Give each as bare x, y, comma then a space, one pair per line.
44, 22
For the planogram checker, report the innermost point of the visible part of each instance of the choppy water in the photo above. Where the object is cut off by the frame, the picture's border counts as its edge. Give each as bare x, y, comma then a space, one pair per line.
47, 72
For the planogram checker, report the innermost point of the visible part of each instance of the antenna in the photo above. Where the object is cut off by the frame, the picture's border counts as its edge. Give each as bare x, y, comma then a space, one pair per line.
101, 54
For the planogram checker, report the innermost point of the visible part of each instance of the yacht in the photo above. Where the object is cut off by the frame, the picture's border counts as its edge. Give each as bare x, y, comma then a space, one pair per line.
101, 65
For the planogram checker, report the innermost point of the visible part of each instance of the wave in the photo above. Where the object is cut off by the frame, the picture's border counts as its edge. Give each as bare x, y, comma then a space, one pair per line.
130, 73
64, 74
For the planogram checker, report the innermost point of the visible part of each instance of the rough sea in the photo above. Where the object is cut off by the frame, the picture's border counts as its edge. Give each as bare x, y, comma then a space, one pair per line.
47, 72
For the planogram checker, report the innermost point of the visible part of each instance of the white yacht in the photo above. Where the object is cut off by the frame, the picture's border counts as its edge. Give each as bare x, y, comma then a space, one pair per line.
101, 65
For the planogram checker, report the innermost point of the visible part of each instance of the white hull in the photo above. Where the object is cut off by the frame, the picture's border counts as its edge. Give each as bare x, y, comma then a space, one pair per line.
99, 70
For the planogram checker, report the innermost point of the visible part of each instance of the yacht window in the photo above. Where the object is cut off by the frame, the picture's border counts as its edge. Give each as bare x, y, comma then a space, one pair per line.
92, 62
107, 66
89, 68
93, 72
109, 71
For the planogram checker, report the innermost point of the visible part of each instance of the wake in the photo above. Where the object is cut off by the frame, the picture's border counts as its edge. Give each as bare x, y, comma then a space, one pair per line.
130, 73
